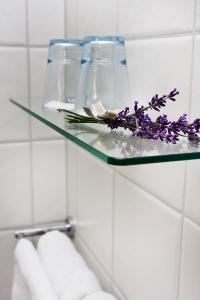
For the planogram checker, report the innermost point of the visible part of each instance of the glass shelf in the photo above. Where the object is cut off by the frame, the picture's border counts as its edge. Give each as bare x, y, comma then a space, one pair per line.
116, 147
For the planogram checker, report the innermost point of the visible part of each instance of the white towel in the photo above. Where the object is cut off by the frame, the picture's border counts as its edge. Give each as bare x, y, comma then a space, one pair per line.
19, 289
30, 279
99, 296
67, 271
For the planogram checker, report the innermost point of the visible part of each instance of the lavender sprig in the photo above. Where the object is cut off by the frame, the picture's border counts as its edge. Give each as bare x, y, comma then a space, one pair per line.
140, 123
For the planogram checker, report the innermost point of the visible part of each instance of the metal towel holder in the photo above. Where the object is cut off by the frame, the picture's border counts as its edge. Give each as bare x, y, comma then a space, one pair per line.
67, 227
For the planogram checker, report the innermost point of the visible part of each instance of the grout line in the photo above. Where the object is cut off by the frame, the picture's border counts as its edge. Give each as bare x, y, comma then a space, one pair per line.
77, 184
14, 142
192, 61
66, 180
93, 255
114, 284
13, 45
66, 143
158, 36
193, 221
127, 37
181, 237
29, 105
113, 225
14, 227
117, 17
156, 198
77, 19
28, 140
65, 18
186, 163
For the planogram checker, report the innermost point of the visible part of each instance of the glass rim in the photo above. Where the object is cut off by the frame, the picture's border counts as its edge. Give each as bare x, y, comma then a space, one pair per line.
103, 39
65, 42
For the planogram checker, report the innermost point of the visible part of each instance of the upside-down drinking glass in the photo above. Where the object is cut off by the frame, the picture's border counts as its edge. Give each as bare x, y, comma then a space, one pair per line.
62, 74
103, 75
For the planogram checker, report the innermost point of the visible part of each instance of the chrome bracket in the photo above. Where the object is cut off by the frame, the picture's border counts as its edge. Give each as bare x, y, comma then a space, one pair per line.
67, 227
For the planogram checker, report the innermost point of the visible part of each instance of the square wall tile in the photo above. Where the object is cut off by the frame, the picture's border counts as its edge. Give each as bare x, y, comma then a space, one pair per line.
190, 267
13, 22
158, 66
15, 191
97, 17
165, 180
72, 18
95, 205
13, 78
192, 205
46, 20
195, 104
92, 263
146, 244
49, 181
38, 64
7, 245
145, 17
72, 179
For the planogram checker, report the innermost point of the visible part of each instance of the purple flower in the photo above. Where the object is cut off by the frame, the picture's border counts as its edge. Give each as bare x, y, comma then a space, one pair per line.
141, 125
162, 120
196, 125
172, 94
122, 114
157, 103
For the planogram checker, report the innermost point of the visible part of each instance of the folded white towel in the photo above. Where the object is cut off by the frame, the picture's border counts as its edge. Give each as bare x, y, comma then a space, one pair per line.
99, 296
67, 271
19, 289
30, 281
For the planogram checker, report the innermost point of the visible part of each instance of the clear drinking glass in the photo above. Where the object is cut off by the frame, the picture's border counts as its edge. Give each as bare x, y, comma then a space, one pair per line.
62, 74
103, 75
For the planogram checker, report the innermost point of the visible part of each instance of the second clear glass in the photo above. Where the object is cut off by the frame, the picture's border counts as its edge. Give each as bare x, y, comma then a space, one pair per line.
103, 75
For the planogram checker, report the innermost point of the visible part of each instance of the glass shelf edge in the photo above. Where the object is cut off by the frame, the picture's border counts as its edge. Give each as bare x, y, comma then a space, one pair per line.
106, 158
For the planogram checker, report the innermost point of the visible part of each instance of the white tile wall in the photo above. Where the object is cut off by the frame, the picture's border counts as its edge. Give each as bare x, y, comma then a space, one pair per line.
164, 182
71, 18
13, 22
192, 202
32, 179
117, 293
72, 172
7, 244
146, 244
46, 20
38, 63
13, 78
145, 17
49, 181
94, 208
97, 17
198, 16
150, 61
15, 191
92, 262
190, 272
148, 203
195, 103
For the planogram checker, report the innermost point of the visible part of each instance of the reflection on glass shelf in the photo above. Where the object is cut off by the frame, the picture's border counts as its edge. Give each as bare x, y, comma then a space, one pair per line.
115, 147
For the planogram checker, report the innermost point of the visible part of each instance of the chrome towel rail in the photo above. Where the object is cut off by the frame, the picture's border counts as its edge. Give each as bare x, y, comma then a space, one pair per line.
67, 227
